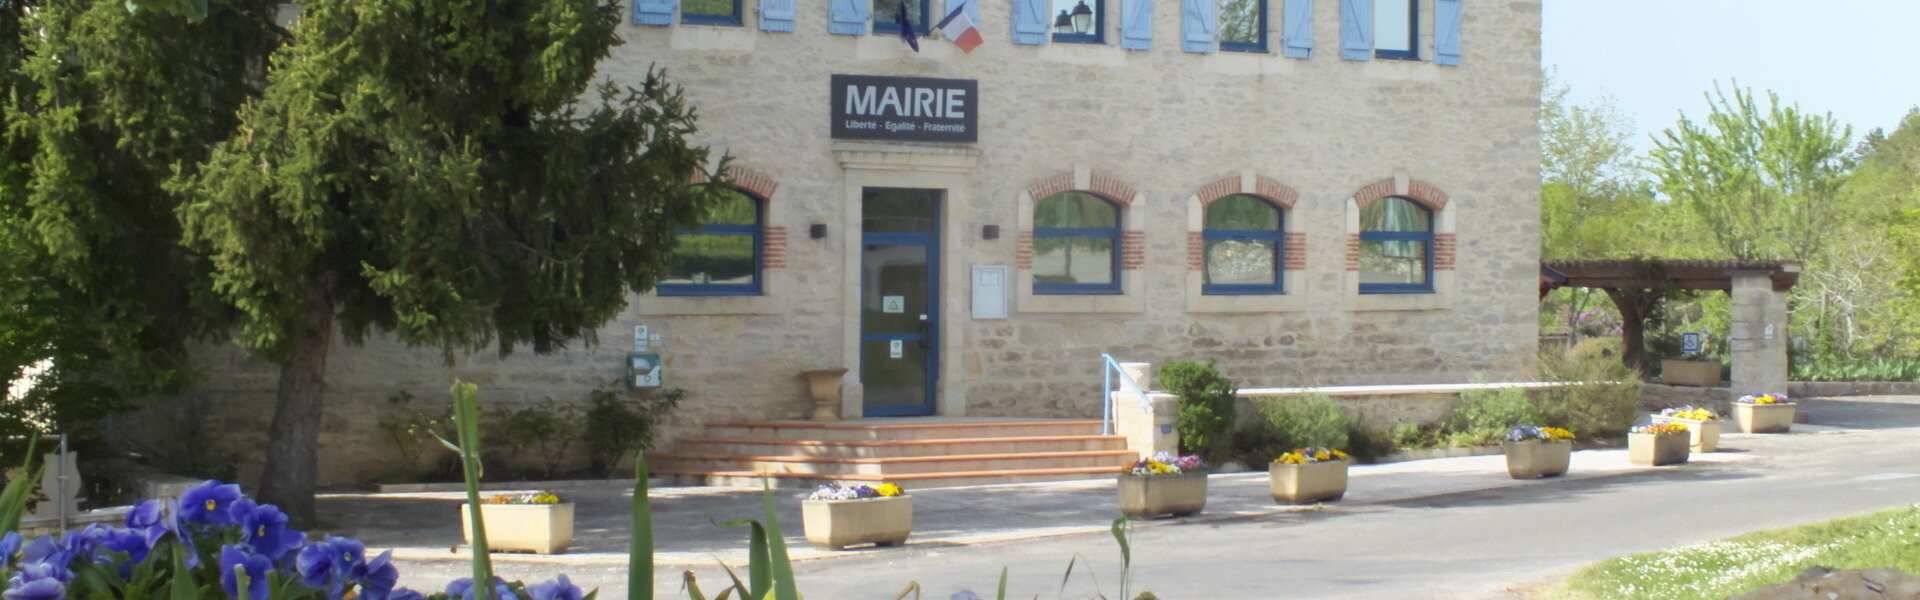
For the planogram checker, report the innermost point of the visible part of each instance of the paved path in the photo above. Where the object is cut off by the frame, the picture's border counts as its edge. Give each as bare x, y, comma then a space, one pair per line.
1429, 529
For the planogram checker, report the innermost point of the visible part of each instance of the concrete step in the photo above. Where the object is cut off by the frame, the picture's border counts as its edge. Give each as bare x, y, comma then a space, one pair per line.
748, 479
891, 466
897, 448
901, 429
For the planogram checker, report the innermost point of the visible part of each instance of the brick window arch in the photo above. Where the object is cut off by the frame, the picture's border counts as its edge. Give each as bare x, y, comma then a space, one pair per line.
1400, 241
1244, 219
1073, 217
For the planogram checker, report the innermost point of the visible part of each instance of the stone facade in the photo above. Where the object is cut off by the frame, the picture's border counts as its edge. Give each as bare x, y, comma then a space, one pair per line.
1160, 131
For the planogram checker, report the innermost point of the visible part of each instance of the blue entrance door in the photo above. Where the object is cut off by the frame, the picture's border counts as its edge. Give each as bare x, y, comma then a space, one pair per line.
899, 300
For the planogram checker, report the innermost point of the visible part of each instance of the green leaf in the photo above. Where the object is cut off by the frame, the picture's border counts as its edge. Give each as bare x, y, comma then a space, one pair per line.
640, 535
784, 587
759, 560
13, 499
1002, 594
182, 586
466, 413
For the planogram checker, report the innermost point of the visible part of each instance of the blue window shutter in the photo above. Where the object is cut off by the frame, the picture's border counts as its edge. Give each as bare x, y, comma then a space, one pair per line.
1297, 41
1030, 21
1356, 29
848, 17
1199, 19
654, 12
1137, 31
973, 12
776, 15
1446, 32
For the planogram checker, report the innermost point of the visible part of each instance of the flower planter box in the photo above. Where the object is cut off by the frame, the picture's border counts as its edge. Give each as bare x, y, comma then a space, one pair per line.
1537, 459
837, 524
1308, 483
538, 528
1764, 418
1656, 450
1154, 496
1697, 373
1704, 436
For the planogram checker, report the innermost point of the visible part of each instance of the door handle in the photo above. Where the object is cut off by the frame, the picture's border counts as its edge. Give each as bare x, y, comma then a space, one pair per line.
926, 333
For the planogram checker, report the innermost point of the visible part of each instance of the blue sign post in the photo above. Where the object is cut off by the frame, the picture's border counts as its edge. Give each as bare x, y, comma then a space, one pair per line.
1692, 342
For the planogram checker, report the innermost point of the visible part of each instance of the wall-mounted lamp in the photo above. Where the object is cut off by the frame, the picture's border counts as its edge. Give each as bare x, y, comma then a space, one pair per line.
817, 231
990, 232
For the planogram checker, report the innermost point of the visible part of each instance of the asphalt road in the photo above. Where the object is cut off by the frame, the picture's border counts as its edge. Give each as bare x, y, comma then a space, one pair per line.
1470, 545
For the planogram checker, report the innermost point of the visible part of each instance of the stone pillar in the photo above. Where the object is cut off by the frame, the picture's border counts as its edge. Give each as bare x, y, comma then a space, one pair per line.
1150, 424
1759, 336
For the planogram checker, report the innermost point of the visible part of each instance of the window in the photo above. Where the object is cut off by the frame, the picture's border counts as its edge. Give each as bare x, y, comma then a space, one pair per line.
886, 15
1243, 25
722, 257
1394, 34
1396, 248
1078, 22
1076, 245
1243, 245
710, 12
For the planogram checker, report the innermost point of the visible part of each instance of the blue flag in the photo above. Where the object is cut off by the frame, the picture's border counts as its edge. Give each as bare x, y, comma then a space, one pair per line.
906, 27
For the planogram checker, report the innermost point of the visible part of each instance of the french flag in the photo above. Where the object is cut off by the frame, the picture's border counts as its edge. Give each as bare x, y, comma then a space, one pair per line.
959, 29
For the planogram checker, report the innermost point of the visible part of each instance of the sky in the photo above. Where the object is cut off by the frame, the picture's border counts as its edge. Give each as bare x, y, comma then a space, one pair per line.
1655, 58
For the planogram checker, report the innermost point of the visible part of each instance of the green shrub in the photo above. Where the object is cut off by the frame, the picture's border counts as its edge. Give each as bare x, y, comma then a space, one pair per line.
617, 427
1279, 425
1206, 407
1604, 404
1483, 416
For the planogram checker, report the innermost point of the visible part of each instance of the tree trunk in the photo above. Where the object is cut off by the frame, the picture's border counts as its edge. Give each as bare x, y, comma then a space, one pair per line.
293, 441
1635, 306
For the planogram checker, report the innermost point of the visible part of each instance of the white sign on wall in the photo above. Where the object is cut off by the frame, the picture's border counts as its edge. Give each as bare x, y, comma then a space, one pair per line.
896, 349
989, 291
893, 304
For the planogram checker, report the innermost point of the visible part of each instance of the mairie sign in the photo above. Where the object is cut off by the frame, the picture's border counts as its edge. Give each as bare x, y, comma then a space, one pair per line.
915, 109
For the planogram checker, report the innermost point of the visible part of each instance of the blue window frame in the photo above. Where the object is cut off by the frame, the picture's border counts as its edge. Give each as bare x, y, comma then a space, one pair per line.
886, 16
1080, 21
1396, 247
1243, 25
722, 256
1244, 246
710, 12
1396, 29
1076, 245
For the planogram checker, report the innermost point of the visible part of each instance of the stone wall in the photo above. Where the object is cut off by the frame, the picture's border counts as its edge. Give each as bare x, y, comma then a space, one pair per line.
1164, 125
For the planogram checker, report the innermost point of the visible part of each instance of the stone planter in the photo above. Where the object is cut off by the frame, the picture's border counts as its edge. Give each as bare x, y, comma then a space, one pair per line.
538, 528
1764, 418
1704, 436
1537, 459
837, 524
1697, 373
823, 386
1155, 496
1308, 483
1656, 450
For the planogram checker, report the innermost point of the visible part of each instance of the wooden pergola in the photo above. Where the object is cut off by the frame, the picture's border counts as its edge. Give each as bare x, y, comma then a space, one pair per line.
1637, 286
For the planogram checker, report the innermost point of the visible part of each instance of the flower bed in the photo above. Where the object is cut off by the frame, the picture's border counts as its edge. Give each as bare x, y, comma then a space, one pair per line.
1703, 426
1764, 413
1658, 444
1164, 486
836, 517
1538, 452
1309, 475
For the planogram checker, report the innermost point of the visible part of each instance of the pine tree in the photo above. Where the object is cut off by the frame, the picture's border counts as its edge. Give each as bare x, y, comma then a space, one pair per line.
444, 171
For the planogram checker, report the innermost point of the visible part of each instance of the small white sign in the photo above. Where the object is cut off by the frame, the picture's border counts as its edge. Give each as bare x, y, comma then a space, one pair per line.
1769, 332
893, 304
896, 349
640, 338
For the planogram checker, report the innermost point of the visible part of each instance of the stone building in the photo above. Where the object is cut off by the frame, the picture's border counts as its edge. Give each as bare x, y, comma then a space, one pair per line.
1310, 192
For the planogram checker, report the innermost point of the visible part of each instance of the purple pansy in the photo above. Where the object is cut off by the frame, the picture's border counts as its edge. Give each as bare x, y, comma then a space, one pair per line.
266, 528
558, 589
209, 503
38, 581
462, 589
240, 558
377, 577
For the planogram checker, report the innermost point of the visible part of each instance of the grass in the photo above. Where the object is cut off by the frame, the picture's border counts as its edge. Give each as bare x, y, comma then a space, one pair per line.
1739, 565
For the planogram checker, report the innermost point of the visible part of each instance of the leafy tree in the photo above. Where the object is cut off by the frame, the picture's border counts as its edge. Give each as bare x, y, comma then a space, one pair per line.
430, 168
1207, 408
101, 107
1760, 181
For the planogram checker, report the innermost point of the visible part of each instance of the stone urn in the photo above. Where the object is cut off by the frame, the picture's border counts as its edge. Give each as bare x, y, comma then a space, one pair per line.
823, 385
1534, 459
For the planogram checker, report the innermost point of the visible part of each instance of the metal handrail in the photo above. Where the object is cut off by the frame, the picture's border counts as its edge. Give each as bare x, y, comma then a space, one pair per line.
1106, 392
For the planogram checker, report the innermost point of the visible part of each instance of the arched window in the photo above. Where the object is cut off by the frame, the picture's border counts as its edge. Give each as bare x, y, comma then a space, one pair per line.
1396, 247
1243, 237
1076, 245
722, 256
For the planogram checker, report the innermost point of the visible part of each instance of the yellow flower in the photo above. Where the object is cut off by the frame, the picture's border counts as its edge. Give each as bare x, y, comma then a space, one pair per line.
1556, 433
1339, 455
1159, 468
1322, 455
887, 490
1292, 458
